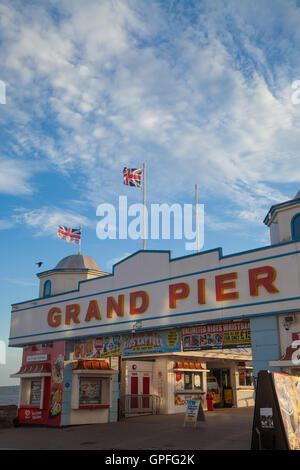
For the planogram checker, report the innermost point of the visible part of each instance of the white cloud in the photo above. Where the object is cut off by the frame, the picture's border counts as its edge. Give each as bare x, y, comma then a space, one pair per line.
14, 176
6, 224
46, 219
206, 101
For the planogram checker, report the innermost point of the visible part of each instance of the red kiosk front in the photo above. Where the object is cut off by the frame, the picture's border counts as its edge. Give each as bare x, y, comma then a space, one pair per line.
41, 384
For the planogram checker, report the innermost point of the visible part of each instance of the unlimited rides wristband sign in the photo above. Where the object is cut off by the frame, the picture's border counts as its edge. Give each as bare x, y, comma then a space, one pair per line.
216, 336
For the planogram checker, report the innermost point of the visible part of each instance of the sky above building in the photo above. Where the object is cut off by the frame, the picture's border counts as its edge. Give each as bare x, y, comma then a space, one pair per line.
200, 91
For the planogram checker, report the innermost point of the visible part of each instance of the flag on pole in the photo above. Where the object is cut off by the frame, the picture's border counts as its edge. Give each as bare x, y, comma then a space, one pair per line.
72, 235
133, 176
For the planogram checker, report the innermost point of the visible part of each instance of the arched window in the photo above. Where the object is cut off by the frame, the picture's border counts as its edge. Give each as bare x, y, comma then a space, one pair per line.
296, 227
47, 289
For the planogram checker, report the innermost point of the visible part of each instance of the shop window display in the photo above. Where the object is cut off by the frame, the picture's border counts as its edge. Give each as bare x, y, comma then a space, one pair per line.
192, 381
90, 391
245, 377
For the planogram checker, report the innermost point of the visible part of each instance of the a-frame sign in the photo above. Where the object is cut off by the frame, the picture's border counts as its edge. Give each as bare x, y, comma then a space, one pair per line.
276, 422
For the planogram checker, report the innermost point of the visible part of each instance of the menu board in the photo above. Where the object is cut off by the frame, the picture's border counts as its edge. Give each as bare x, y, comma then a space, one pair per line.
35, 392
194, 412
216, 336
288, 393
102, 346
152, 342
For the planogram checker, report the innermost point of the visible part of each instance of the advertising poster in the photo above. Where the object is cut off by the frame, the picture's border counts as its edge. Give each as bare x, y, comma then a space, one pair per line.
181, 399
99, 347
194, 412
56, 390
90, 391
179, 381
216, 336
152, 342
266, 418
288, 394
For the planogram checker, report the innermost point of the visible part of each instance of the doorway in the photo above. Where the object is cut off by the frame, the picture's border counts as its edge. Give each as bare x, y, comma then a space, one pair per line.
223, 379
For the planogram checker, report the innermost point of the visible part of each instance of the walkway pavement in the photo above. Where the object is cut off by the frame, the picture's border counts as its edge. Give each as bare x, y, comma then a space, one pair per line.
224, 429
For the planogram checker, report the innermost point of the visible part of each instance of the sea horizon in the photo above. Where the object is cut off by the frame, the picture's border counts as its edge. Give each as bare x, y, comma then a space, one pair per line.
9, 394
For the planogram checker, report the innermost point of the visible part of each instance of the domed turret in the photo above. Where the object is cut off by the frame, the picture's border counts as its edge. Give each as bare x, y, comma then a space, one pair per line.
67, 273
78, 262
284, 221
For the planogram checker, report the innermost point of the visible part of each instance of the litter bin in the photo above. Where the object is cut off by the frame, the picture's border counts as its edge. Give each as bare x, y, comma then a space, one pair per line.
228, 397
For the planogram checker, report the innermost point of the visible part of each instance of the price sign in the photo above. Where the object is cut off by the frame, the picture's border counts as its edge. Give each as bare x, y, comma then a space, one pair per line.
194, 413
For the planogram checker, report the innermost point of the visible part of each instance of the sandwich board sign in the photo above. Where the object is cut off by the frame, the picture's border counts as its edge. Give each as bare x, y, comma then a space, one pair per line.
194, 413
276, 421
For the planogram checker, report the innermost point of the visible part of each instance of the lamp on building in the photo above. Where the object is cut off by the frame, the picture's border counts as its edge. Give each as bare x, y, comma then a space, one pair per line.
287, 322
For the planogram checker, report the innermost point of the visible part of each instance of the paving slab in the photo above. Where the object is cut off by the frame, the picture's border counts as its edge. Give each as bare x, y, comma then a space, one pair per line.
224, 429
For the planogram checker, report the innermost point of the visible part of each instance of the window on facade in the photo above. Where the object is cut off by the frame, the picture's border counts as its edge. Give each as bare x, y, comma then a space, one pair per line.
47, 289
90, 390
198, 381
245, 377
35, 392
296, 227
188, 381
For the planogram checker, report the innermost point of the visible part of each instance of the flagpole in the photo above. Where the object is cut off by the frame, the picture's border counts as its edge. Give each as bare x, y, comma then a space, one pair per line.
144, 204
79, 246
196, 201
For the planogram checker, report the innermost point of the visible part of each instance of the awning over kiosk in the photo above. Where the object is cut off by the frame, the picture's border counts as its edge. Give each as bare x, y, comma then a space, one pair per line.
88, 366
34, 370
186, 366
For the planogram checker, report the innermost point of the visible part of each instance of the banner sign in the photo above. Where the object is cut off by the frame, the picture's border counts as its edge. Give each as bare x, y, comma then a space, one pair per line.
216, 336
99, 347
152, 342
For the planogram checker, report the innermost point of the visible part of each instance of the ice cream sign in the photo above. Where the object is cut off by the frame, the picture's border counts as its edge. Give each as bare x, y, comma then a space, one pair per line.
170, 298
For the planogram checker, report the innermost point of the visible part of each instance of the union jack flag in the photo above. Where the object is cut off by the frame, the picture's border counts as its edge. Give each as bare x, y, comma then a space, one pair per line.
72, 235
133, 176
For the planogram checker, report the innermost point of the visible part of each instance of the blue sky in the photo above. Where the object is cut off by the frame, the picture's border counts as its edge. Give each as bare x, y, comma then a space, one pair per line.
199, 90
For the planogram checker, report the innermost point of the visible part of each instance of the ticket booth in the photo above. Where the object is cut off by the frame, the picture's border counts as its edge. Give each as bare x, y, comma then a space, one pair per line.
41, 384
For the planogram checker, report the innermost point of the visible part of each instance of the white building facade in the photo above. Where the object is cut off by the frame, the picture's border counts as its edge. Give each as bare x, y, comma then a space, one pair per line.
160, 327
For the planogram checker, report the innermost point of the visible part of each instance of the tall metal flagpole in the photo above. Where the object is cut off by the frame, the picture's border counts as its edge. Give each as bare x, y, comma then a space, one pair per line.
144, 205
197, 231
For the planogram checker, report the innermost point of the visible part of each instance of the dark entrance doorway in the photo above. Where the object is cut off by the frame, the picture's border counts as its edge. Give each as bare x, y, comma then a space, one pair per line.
223, 379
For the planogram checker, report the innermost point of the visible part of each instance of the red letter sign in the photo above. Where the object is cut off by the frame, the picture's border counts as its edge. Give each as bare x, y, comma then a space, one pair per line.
266, 281
221, 285
117, 307
72, 312
201, 291
132, 300
177, 291
54, 320
93, 311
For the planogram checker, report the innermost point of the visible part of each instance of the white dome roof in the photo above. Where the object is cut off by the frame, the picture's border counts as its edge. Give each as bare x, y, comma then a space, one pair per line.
78, 262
